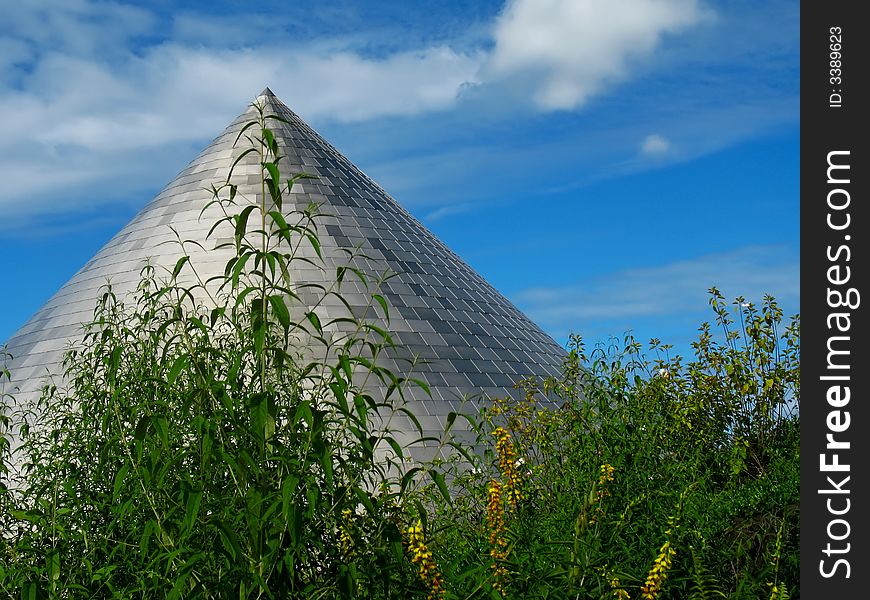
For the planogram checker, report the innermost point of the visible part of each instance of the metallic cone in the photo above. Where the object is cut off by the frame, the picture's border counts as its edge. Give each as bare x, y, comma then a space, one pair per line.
470, 339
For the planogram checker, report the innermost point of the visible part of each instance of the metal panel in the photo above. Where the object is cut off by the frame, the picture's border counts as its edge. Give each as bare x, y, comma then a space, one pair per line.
445, 311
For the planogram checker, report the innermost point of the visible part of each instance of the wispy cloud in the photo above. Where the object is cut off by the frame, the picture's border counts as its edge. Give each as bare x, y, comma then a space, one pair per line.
450, 210
570, 50
74, 121
106, 94
667, 289
655, 145
79, 27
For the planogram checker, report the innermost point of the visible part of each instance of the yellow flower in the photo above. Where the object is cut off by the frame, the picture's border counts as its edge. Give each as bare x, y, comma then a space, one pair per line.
658, 573
607, 472
778, 592
495, 524
509, 465
606, 477
422, 556
618, 591
345, 536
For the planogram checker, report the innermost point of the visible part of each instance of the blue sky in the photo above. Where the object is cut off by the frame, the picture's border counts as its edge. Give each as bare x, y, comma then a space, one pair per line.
601, 163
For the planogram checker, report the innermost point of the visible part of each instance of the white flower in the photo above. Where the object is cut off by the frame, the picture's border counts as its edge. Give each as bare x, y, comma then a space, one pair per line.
519, 462
663, 373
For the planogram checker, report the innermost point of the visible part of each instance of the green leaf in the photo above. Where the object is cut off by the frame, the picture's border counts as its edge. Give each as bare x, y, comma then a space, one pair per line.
161, 426
31, 591
409, 477
326, 463
180, 584
197, 322
364, 499
146, 537
52, 562
451, 418
115, 358
215, 314
279, 220
345, 365
339, 391
315, 243
142, 428
274, 174
120, 476
238, 159
242, 221
207, 443
228, 537
279, 307
438, 478
247, 126
178, 364
396, 447
259, 331
303, 412
278, 118
315, 320
269, 137
422, 385
259, 412
382, 301
179, 265
361, 408
345, 582
288, 490
193, 500
274, 193
237, 269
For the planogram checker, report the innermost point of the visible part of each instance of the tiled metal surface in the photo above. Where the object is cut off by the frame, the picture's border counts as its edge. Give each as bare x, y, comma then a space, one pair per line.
470, 337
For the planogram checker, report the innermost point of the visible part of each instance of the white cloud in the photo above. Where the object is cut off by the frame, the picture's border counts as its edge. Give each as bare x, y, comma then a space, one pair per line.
80, 27
449, 210
346, 87
95, 99
655, 145
177, 93
668, 289
76, 121
12, 52
569, 50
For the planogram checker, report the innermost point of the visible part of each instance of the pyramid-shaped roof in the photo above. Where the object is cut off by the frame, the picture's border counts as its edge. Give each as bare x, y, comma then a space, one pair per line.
470, 337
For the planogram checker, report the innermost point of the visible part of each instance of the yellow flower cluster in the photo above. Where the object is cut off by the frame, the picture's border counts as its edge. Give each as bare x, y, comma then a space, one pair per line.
618, 591
606, 477
508, 465
344, 537
779, 592
601, 491
658, 573
422, 556
494, 511
607, 472
498, 544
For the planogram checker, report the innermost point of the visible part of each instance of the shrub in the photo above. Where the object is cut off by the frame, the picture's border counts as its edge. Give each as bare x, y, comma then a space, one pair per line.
211, 440
639, 478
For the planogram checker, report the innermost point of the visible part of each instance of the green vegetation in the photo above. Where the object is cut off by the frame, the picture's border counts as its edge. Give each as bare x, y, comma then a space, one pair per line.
652, 479
213, 443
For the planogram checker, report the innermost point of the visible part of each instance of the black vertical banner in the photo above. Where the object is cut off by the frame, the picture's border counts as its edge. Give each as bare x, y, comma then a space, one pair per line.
835, 300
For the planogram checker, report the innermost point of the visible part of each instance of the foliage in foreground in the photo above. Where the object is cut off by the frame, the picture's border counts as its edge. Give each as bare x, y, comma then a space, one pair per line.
652, 478
197, 452
212, 440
